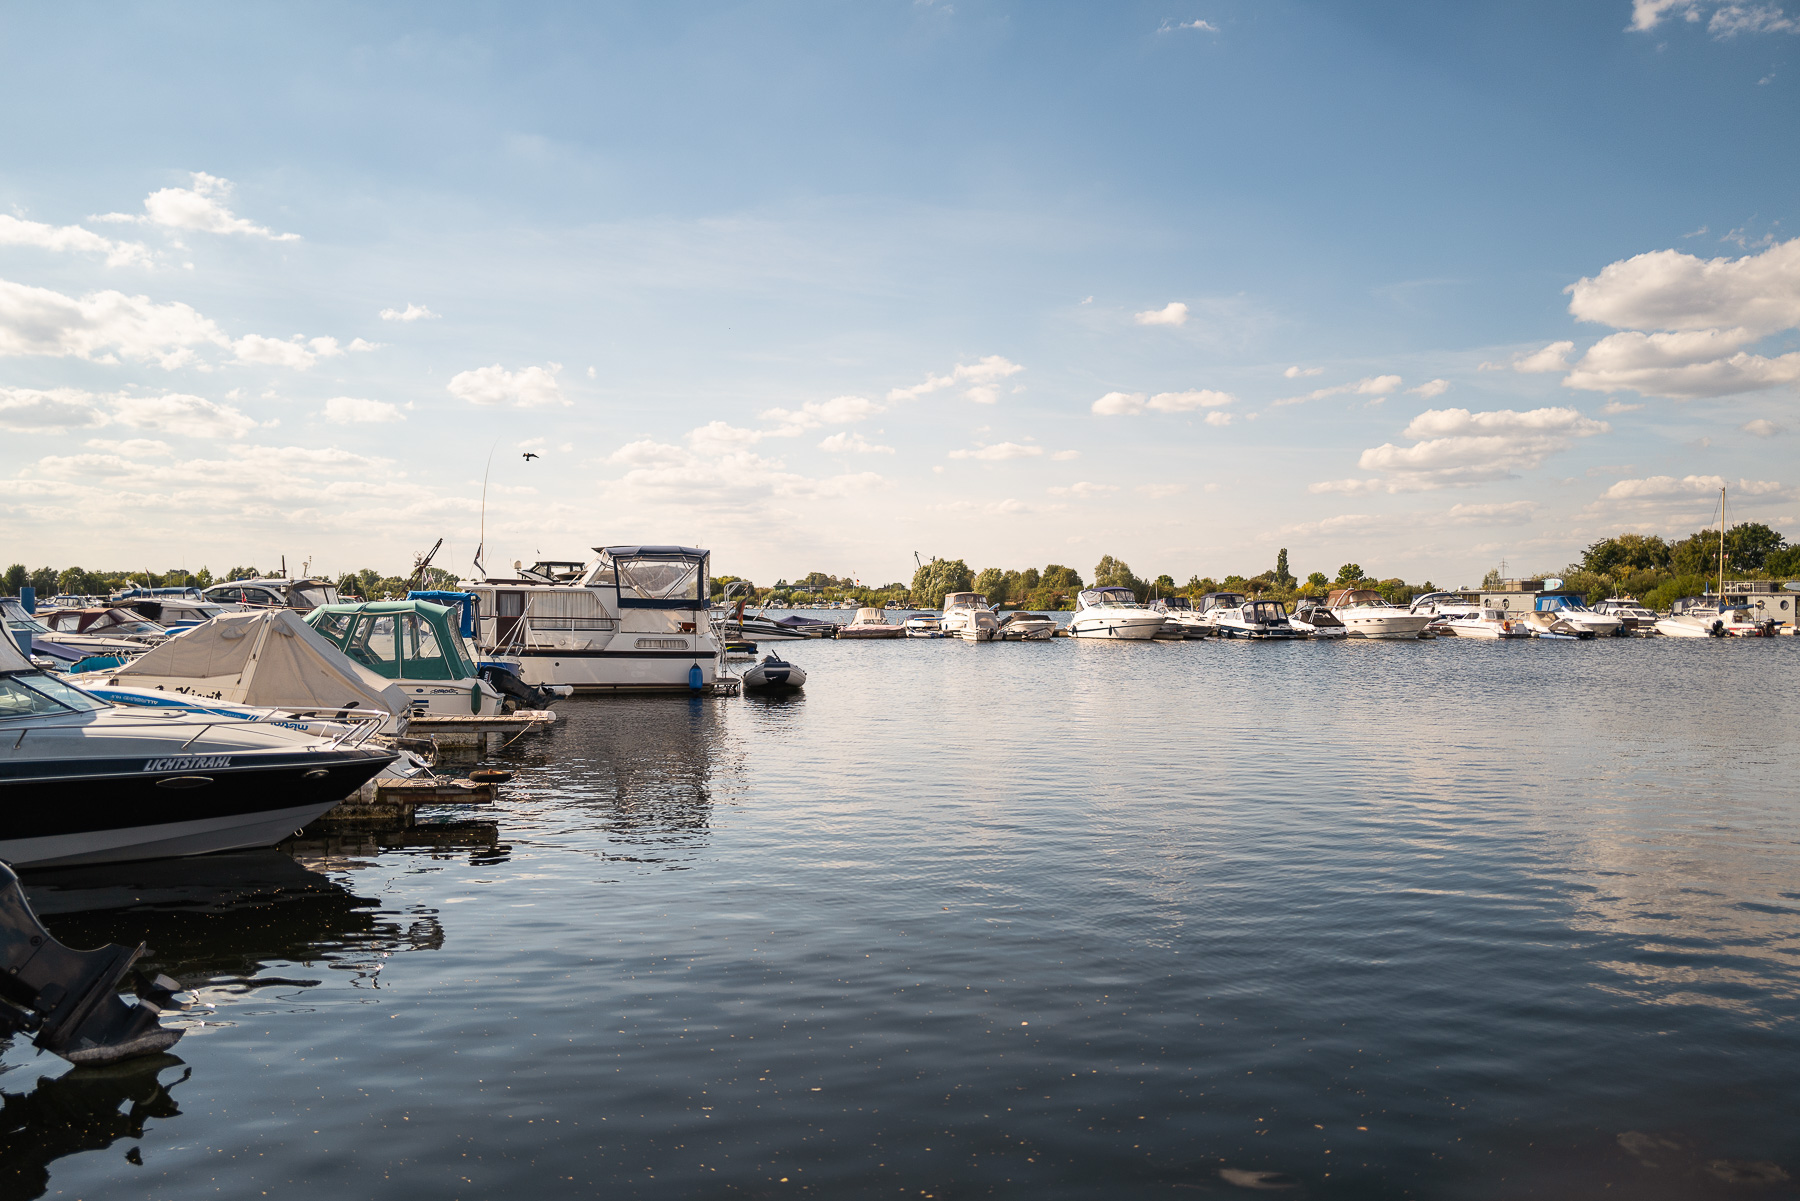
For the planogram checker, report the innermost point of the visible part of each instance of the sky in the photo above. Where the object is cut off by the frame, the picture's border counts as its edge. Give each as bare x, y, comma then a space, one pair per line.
822, 286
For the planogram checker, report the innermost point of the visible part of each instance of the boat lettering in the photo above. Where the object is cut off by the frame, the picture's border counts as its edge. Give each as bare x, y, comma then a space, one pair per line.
188, 763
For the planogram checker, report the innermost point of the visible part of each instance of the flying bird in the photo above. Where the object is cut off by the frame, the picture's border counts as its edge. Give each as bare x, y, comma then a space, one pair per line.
530, 455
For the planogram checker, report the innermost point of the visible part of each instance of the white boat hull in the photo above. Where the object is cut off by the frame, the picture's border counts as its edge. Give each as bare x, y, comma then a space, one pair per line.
601, 672
1398, 625
1136, 627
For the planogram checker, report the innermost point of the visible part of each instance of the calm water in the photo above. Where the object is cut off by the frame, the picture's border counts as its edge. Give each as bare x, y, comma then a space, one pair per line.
1436, 919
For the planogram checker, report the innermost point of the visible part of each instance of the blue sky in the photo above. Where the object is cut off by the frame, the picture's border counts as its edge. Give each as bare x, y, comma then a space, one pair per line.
819, 286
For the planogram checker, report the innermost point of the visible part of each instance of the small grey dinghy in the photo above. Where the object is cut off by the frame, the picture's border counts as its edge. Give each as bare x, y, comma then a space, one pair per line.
774, 674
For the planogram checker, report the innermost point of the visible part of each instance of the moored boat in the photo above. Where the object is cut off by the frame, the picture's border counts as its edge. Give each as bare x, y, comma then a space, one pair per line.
1114, 612
1026, 627
871, 623
1255, 619
967, 616
1367, 614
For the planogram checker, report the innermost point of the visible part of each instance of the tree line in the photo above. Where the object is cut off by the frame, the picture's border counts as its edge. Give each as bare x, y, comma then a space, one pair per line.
47, 582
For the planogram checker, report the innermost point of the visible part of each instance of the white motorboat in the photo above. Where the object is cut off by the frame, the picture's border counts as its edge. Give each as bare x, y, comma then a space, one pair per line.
1572, 607
967, 616
871, 623
1026, 627
1478, 622
1255, 619
1114, 612
633, 619
1182, 619
302, 593
1315, 620
1704, 617
64, 649
1214, 603
923, 625
1367, 614
88, 782
774, 674
1633, 617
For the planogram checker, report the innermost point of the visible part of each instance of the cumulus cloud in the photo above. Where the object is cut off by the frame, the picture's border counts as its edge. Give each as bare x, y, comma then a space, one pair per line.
1554, 357
1085, 489
853, 444
1218, 418
981, 377
1128, 404
298, 352
29, 411
1374, 385
1762, 427
1196, 25
1674, 290
412, 312
353, 410
1685, 365
1173, 313
203, 207
1729, 20
1688, 487
529, 388
1064, 456
1431, 388
38, 321
718, 470
1504, 511
176, 413
1456, 447
15, 231
1299, 372
839, 410
999, 451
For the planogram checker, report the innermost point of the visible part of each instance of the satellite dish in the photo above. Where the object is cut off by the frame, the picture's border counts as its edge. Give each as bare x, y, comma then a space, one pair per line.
1553, 584
1792, 585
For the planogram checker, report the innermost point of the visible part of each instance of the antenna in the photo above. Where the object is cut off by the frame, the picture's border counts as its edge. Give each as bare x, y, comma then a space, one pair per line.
481, 546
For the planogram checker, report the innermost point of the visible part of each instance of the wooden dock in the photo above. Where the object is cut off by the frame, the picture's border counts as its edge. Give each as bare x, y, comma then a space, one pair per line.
479, 731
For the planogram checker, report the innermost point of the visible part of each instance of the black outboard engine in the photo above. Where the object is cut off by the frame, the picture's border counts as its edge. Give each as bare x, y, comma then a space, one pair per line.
69, 998
519, 695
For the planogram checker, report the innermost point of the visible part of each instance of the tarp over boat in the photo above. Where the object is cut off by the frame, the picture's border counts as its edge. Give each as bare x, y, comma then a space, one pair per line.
269, 657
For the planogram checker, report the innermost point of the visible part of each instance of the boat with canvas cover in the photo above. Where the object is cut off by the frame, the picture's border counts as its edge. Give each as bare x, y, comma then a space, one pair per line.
871, 623
967, 616
89, 782
633, 619
269, 657
1026, 627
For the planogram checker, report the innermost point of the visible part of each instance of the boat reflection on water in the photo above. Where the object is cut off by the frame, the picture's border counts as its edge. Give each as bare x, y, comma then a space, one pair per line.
86, 1109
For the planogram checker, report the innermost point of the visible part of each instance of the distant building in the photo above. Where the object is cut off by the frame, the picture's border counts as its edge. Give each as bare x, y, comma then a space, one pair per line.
1765, 599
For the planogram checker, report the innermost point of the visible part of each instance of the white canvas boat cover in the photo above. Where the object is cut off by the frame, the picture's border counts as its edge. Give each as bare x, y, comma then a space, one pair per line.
270, 657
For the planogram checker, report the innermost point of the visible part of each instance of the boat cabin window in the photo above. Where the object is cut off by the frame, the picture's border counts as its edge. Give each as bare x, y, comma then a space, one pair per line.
426, 656
1267, 611
311, 596
18, 619
372, 644
660, 580
33, 694
333, 626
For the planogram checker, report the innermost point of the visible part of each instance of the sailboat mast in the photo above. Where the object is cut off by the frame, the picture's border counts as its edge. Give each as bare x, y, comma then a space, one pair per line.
1721, 544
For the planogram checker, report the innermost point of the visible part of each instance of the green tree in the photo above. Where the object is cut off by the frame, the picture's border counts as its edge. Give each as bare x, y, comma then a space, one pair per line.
937, 577
1029, 580
1349, 573
1111, 572
991, 583
1783, 562
1282, 576
1748, 546
1626, 552
1063, 579
1668, 592
1164, 585
16, 578
1318, 579
43, 580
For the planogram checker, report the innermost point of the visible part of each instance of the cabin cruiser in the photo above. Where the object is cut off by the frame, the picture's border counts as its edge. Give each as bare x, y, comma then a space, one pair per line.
1181, 618
89, 782
1315, 620
1572, 608
268, 657
105, 622
1367, 614
64, 650
1114, 612
923, 625
1026, 627
1704, 617
1443, 604
1633, 617
1551, 625
303, 594
774, 674
1214, 603
1255, 619
171, 608
744, 627
967, 616
632, 619
1479, 622
871, 623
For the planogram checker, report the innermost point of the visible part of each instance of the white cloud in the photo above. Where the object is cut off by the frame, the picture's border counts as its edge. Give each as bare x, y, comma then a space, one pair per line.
712, 473
1673, 290
1431, 389
1762, 427
722, 438
1683, 365
38, 321
176, 413
1161, 491
29, 411
298, 352
999, 451
1508, 511
1118, 404
1084, 489
1729, 20
848, 442
1668, 488
352, 410
1613, 408
839, 410
529, 388
15, 231
139, 448
1554, 357
982, 378
416, 312
202, 207
1197, 25
1647, 14
1374, 385
1218, 418
1455, 447
1173, 313
1299, 372
1064, 456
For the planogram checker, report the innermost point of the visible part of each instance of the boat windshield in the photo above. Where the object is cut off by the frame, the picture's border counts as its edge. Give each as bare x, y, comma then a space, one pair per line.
663, 581
1266, 611
34, 694
1108, 597
312, 594
1557, 604
18, 619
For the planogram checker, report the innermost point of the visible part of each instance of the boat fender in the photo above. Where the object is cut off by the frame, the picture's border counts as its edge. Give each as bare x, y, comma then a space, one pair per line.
696, 678
475, 698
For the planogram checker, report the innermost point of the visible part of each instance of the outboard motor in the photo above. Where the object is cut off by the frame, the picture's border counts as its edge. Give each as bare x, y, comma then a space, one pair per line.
69, 998
504, 679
